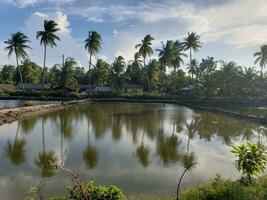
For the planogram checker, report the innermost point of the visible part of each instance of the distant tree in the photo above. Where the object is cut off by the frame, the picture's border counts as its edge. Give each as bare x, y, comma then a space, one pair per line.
92, 45
80, 75
67, 78
30, 71
171, 54
117, 70
8, 72
179, 54
206, 75
54, 76
249, 76
228, 78
153, 73
192, 43
133, 71
48, 37
145, 50
17, 44
261, 57
193, 68
101, 73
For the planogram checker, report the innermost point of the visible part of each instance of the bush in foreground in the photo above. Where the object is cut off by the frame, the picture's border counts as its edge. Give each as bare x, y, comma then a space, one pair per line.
95, 192
219, 189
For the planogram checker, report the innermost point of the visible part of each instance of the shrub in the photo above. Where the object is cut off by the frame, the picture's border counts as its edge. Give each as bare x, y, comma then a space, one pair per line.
95, 192
251, 160
216, 190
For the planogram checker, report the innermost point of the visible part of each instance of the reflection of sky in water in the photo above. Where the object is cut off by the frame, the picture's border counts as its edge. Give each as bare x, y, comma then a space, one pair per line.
160, 135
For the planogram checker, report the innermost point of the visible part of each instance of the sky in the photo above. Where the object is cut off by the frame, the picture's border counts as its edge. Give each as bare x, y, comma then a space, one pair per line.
230, 30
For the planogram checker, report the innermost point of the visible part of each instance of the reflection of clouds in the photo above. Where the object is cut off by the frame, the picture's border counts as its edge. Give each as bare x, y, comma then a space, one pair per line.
15, 186
116, 156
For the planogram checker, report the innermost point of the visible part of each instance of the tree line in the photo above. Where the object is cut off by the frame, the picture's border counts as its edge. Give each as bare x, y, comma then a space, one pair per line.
164, 75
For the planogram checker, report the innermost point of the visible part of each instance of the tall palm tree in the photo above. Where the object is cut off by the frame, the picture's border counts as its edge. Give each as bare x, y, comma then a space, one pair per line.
261, 57
17, 44
171, 54
178, 56
136, 61
145, 50
48, 37
92, 45
192, 43
193, 67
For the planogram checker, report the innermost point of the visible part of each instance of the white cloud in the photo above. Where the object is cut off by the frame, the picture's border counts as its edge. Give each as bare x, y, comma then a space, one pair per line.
68, 46
233, 21
4, 59
25, 3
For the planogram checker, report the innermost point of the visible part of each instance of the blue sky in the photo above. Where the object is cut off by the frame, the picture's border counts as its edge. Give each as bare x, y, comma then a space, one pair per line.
230, 30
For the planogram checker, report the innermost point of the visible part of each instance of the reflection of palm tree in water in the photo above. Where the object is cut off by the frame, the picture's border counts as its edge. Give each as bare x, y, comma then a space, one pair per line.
45, 158
191, 129
90, 155
142, 152
16, 151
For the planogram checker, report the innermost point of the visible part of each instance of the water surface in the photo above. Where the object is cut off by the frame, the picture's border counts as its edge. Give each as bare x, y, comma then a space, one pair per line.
142, 148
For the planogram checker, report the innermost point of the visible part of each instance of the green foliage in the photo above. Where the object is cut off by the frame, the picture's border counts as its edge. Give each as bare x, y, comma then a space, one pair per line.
7, 73
216, 190
251, 159
96, 192
31, 72
101, 73
219, 189
32, 193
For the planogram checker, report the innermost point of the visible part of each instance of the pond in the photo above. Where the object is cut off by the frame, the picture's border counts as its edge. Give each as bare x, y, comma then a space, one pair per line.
141, 148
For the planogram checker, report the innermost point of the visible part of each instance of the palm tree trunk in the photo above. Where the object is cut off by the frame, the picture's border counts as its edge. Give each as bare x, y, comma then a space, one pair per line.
148, 82
17, 134
90, 63
43, 81
180, 180
43, 135
262, 71
20, 74
190, 54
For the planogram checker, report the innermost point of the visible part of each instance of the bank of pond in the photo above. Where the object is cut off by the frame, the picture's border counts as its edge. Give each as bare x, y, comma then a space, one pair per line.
141, 148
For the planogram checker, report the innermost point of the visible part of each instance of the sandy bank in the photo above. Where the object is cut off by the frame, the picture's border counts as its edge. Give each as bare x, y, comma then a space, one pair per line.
10, 115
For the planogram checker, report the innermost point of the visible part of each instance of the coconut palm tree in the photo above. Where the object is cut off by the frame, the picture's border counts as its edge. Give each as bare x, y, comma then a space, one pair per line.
178, 55
136, 61
192, 43
193, 67
145, 50
48, 37
166, 54
171, 54
17, 44
261, 57
92, 45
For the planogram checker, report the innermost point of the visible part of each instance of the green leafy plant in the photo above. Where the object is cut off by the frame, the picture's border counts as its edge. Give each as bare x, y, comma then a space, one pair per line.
251, 160
96, 192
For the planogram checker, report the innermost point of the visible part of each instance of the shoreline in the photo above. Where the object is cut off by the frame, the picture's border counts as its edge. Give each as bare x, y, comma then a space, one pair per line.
13, 114
247, 117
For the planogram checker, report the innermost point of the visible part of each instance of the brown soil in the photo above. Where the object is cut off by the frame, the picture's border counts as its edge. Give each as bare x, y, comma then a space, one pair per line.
10, 115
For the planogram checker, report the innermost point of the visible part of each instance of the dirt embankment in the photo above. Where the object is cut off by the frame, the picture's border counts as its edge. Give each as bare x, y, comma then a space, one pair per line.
10, 115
